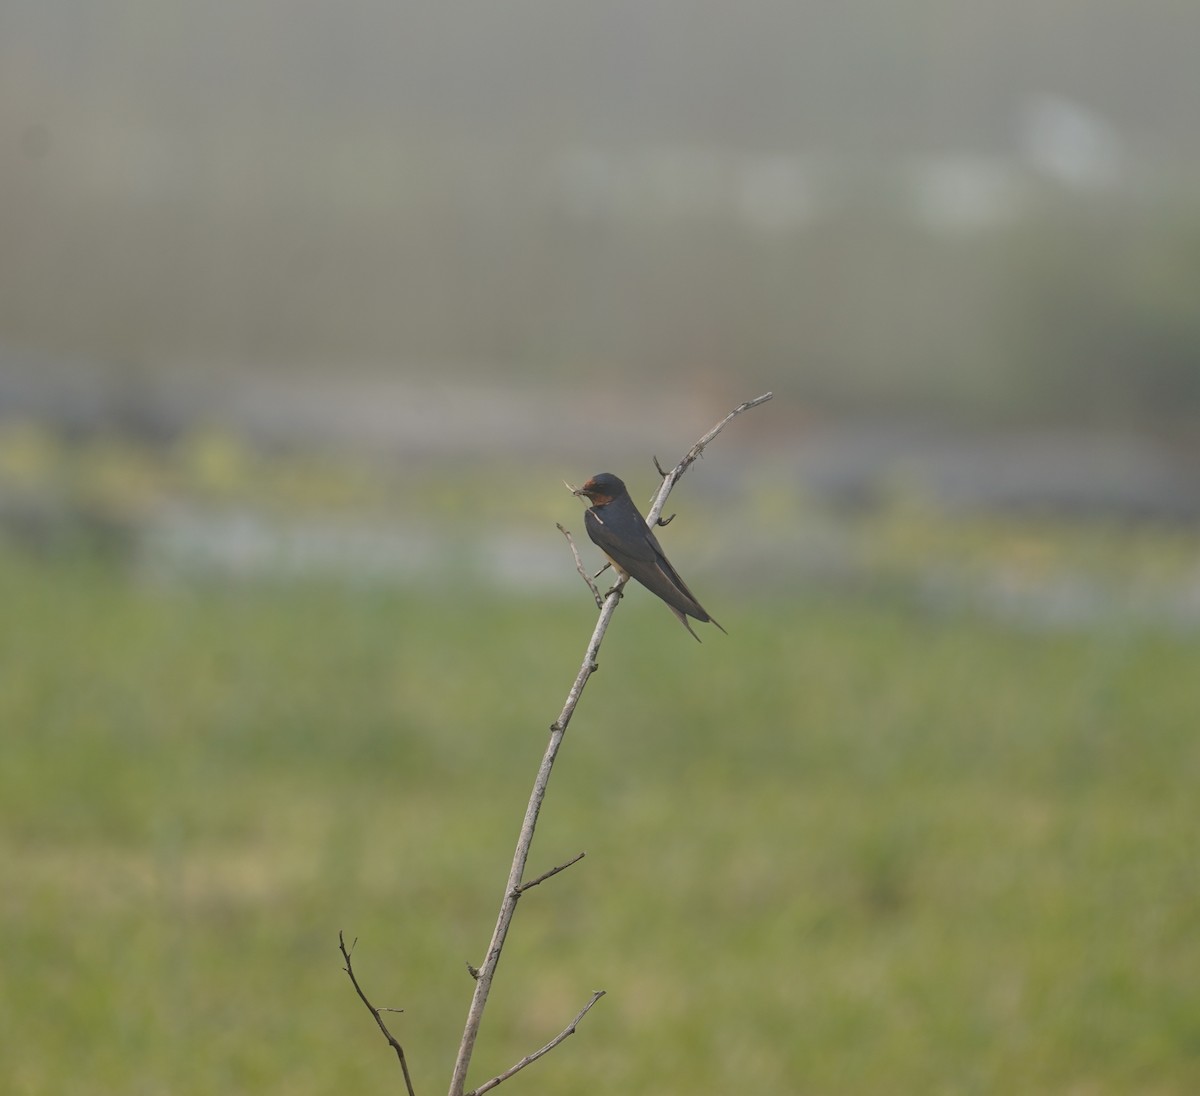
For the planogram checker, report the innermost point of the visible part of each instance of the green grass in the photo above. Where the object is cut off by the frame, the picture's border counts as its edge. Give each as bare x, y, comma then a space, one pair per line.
849, 848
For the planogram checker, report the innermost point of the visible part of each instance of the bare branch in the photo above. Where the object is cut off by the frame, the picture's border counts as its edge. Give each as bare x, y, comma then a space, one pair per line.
579, 566
672, 477
529, 1059
552, 872
514, 889
392, 1040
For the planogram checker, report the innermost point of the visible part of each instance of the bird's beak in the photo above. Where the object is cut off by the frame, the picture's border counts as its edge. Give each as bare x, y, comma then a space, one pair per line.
574, 490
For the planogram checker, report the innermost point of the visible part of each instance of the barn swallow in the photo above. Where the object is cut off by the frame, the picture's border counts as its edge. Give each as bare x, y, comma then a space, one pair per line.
618, 529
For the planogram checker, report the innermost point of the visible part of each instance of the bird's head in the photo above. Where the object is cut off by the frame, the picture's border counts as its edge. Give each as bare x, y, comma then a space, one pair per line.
601, 489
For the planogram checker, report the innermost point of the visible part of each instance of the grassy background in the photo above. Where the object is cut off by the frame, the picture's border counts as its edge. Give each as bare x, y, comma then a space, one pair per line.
852, 847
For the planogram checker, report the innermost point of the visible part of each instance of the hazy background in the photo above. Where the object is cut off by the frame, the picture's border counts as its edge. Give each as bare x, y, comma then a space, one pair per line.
979, 212
960, 241
306, 311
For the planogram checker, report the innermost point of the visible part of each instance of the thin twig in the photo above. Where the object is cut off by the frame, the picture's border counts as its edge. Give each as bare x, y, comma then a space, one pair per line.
513, 888
393, 1042
672, 477
529, 1059
552, 872
579, 566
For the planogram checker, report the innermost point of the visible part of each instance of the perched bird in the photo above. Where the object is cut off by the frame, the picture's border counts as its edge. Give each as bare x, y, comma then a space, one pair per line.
619, 530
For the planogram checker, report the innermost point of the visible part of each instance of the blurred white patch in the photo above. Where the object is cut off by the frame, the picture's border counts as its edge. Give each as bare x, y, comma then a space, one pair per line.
1070, 143
965, 193
777, 193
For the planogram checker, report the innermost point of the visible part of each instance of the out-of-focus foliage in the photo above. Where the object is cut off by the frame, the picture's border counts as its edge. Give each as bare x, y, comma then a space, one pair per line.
1100, 316
988, 212
850, 846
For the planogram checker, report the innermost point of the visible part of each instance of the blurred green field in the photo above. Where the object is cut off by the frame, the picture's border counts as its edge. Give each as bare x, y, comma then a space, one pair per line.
852, 847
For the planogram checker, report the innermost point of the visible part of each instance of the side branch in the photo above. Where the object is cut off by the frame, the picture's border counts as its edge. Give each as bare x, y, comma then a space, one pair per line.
393, 1042
579, 565
552, 872
529, 1059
